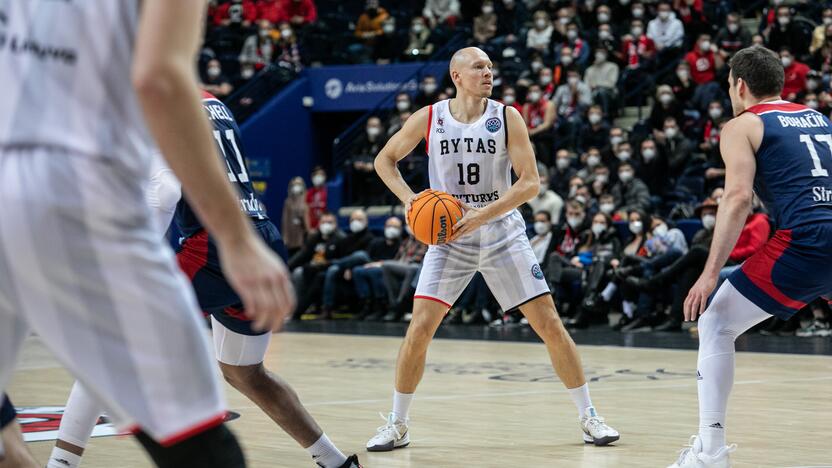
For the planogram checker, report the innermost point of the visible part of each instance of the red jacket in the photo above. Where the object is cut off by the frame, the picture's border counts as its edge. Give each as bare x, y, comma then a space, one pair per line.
636, 50
249, 12
795, 78
752, 238
702, 66
291, 8
316, 198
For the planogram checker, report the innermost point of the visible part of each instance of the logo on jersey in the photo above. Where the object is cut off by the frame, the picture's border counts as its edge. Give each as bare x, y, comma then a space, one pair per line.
537, 272
493, 124
333, 88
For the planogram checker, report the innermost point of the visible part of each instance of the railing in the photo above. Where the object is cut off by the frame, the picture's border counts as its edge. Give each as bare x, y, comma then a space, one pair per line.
246, 100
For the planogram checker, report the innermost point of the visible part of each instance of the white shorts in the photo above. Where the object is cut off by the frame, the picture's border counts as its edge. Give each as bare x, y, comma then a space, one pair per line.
82, 265
500, 250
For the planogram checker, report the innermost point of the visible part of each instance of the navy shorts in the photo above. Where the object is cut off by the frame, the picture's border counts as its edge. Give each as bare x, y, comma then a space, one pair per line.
199, 259
7, 412
792, 269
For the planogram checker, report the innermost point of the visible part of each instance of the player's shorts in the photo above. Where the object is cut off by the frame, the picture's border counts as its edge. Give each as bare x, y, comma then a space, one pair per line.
792, 269
199, 259
7, 412
500, 250
83, 267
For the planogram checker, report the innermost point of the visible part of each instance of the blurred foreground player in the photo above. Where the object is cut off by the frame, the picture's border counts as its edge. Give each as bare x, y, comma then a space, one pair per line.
13, 451
81, 261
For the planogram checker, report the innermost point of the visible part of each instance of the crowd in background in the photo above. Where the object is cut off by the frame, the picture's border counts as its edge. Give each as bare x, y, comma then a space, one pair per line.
625, 215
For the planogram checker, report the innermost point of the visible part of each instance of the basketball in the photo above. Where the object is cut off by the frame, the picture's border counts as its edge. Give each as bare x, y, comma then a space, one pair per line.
432, 216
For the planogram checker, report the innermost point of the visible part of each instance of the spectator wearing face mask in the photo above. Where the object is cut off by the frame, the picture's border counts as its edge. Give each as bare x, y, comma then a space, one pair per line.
512, 16
617, 137
509, 98
240, 13
692, 15
579, 48
571, 234
796, 73
653, 169
602, 79
287, 49
608, 41
313, 258
637, 50
623, 154
539, 115
295, 12
786, 33
568, 238
428, 92
418, 44
398, 275
214, 81
682, 84
630, 193
368, 279
571, 100
666, 106
293, 221
633, 254
439, 12
606, 205
819, 33
546, 82
366, 187
703, 60
316, 197
539, 35
595, 131
732, 37
562, 173
546, 199
259, 48
485, 24
709, 145
678, 149
370, 24
667, 32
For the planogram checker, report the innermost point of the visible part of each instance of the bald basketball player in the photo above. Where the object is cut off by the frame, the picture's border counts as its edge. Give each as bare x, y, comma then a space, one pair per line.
473, 144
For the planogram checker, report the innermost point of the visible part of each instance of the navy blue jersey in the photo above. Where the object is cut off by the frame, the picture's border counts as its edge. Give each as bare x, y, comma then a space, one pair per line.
794, 164
229, 144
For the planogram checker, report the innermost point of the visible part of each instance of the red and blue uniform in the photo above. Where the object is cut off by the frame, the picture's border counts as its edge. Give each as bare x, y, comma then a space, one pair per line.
794, 181
198, 256
7, 412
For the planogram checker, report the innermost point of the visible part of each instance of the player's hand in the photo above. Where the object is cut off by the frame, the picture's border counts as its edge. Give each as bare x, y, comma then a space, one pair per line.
407, 204
261, 279
472, 219
698, 296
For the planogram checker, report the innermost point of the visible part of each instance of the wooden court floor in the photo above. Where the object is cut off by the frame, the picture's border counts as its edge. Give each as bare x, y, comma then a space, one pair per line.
496, 404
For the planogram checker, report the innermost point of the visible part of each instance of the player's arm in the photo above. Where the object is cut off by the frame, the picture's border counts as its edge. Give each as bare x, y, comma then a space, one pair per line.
737, 148
397, 148
165, 81
521, 154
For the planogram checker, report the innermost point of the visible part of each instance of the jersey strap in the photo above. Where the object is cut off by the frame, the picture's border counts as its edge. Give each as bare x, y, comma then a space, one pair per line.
207, 95
427, 133
776, 106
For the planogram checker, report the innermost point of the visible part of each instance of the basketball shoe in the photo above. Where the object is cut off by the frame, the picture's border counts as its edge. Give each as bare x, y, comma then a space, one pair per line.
394, 434
596, 430
692, 456
352, 462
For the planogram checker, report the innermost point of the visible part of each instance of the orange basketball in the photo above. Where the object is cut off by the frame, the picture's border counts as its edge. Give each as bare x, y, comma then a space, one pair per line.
432, 216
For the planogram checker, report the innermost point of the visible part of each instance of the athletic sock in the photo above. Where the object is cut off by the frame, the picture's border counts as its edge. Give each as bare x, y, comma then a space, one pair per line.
580, 396
325, 453
608, 291
80, 416
628, 308
61, 458
401, 405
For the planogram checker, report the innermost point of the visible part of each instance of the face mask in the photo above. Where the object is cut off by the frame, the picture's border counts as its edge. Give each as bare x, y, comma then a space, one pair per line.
604, 35
534, 96
594, 118
536, 66
213, 72
812, 85
357, 225
247, 73
392, 232
541, 227
603, 178
544, 186
373, 132
786, 61
683, 74
572, 80
664, 15
827, 20
487, 9
715, 112
812, 104
606, 208
564, 20
326, 228
616, 140
566, 60
660, 230
562, 163
581, 199
625, 176
705, 46
296, 189
648, 154
388, 28
603, 18
402, 105
665, 98
708, 221
593, 160
783, 20
573, 190
572, 34
417, 28
623, 155
540, 23
545, 79
509, 52
318, 180
638, 13
598, 229
637, 31
600, 57
636, 227
508, 99
429, 88
574, 221
671, 132
733, 28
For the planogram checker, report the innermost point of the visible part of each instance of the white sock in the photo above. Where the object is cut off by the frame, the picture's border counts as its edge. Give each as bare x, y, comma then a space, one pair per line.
60, 458
401, 405
80, 416
628, 308
608, 291
580, 396
325, 453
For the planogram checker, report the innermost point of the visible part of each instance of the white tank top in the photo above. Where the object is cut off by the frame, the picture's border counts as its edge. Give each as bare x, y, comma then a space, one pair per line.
469, 161
65, 78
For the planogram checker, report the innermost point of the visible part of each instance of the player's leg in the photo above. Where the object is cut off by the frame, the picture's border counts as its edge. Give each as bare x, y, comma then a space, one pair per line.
77, 423
13, 451
241, 359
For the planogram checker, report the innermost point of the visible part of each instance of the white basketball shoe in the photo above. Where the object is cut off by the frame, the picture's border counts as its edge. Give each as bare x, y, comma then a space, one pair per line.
596, 431
693, 457
394, 434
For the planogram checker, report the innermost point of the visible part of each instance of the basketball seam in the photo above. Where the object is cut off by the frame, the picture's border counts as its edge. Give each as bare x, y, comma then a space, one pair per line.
433, 218
421, 207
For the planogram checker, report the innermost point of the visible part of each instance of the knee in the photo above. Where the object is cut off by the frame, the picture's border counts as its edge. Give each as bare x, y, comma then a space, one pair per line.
243, 377
418, 336
551, 328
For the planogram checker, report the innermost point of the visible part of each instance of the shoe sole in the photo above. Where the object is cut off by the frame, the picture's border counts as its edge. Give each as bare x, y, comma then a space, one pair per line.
600, 442
388, 447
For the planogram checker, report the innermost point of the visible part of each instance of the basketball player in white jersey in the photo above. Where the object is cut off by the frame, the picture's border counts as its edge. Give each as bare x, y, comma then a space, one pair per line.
473, 143
81, 262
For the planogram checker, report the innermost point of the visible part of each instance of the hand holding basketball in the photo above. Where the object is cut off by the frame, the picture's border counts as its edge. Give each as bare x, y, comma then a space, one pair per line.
473, 219
432, 215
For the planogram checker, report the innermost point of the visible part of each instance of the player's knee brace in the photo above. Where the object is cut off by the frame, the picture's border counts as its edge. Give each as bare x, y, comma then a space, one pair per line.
215, 448
7, 412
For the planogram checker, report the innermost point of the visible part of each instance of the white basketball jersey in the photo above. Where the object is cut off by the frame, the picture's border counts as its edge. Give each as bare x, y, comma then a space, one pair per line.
469, 161
65, 78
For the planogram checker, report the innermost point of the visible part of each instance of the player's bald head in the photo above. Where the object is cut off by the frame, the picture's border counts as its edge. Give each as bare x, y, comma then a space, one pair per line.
465, 56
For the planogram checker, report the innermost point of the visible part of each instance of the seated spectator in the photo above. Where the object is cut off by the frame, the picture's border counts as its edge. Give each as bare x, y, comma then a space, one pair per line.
666, 106
389, 44
313, 259
633, 253
568, 239
819, 33
653, 169
296, 12
512, 16
602, 79
709, 144
821, 60
682, 84
287, 49
370, 24
235, 13
623, 154
578, 47
608, 42
732, 37
589, 161
418, 44
675, 146
540, 35
630, 193
703, 61
667, 32
259, 48
796, 73
509, 98
693, 18
606, 205
546, 82
398, 275
439, 12
316, 197
595, 131
485, 24
366, 185
546, 200
637, 50
562, 173
293, 221
367, 278
787, 33
617, 137
214, 81
541, 242
539, 114
571, 101
428, 92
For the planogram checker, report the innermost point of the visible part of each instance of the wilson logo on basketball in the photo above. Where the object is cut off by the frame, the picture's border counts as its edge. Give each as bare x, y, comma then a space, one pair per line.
443, 230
